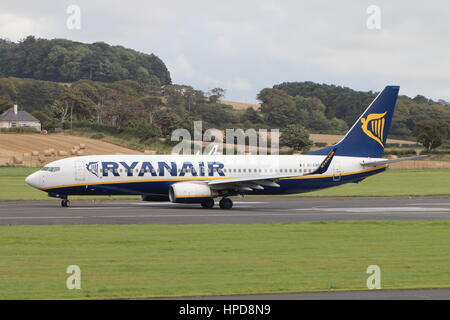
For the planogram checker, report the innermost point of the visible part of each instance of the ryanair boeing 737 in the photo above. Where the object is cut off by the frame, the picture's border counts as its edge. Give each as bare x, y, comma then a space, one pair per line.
202, 178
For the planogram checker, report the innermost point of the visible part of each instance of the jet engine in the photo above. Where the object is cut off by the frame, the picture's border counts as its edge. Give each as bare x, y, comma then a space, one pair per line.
190, 192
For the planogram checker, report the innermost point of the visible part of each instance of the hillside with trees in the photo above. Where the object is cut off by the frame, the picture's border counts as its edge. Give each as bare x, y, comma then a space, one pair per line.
107, 89
328, 102
61, 60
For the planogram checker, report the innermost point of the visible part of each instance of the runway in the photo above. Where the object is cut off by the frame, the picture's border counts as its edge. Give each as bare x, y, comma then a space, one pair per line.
408, 294
246, 211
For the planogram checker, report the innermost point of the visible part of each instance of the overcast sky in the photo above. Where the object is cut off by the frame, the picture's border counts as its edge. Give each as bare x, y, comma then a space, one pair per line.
244, 46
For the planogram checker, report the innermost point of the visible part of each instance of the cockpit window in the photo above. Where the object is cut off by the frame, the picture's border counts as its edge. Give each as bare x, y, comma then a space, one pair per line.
51, 169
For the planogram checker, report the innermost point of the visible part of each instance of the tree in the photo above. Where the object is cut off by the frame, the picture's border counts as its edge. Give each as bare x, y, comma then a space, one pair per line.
251, 115
278, 107
121, 108
216, 94
62, 60
168, 122
41, 116
431, 133
151, 106
5, 104
296, 136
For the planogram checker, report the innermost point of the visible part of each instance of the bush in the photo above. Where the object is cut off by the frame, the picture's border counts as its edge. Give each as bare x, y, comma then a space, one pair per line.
435, 152
19, 130
97, 136
320, 144
143, 131
401, 153
392, 145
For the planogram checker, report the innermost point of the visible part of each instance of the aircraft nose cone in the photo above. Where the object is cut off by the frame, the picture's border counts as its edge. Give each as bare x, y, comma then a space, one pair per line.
33, 180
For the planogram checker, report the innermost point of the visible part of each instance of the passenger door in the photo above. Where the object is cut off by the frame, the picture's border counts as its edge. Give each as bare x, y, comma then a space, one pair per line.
79, 171
337, 171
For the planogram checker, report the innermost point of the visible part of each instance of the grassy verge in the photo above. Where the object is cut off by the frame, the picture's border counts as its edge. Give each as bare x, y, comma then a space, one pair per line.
395, 183
390, 183
130, 261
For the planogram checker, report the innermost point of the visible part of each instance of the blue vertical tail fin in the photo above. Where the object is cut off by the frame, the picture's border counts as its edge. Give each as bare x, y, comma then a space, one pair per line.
367, 137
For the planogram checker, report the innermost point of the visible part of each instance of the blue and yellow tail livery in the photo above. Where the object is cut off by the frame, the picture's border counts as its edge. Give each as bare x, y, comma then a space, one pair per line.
368, 135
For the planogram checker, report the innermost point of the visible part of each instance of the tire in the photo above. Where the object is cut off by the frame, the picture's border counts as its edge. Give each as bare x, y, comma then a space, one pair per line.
208, 204
65, 203
226, 203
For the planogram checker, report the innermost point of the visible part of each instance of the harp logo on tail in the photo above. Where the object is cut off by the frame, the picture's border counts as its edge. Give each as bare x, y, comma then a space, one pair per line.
373, 126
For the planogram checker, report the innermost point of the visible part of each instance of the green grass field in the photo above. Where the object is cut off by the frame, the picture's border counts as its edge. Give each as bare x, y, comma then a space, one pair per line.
390, 183
131, 261
395, 183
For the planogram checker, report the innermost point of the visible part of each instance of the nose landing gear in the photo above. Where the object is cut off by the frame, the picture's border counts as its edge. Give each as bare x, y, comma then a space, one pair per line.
65, 203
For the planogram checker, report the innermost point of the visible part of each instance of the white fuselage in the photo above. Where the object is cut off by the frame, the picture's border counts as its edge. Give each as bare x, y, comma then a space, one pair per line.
135, 174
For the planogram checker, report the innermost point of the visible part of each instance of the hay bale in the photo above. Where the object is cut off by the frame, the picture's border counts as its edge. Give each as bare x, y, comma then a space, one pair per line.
17, 160
63, 153
52, 151
47, 153
27, 155
82, 146
80, 152
44, 132
35, 153
149, 152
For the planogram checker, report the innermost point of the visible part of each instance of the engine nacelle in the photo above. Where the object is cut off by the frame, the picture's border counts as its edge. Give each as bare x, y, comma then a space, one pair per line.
190, 192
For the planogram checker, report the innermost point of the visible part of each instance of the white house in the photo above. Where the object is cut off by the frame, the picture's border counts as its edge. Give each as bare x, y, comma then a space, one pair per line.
13, 118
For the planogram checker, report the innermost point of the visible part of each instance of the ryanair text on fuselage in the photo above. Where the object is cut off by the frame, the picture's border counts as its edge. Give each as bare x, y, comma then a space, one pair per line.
159, 168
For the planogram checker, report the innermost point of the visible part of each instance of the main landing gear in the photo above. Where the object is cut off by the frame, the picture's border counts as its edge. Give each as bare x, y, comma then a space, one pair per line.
225, 203
208, 204
65, 203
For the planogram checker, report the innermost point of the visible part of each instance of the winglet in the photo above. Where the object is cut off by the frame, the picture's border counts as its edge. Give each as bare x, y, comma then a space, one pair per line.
325, 163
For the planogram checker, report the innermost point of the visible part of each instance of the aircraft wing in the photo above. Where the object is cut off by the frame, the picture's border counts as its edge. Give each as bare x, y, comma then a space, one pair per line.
259, 182
248, 183
388, 161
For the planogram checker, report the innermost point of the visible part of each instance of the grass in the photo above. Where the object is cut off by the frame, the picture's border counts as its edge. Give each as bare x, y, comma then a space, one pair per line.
390, 183
131, 261
135, 143
395, 183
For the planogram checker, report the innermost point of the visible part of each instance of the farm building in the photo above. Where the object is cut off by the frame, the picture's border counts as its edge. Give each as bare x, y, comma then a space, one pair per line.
13, 118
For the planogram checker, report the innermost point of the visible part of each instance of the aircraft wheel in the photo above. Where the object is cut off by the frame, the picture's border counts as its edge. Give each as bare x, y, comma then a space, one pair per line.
65, 203
208, 204
226, 203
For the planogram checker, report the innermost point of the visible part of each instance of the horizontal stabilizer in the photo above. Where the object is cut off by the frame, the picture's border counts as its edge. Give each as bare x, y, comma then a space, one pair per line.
388, 161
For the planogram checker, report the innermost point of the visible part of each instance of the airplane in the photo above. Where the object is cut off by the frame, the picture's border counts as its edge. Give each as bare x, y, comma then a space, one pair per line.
202, 178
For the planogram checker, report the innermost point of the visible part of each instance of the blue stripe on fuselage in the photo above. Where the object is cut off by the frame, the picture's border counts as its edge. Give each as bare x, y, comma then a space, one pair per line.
287, 186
